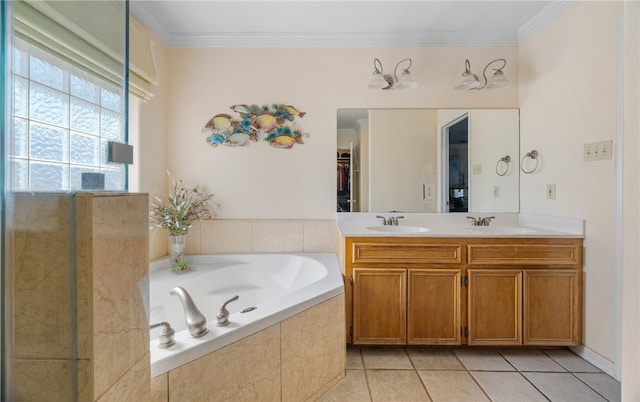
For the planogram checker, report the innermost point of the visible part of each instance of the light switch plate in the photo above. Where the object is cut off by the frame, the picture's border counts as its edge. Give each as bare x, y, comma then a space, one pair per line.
551, 191
596, 151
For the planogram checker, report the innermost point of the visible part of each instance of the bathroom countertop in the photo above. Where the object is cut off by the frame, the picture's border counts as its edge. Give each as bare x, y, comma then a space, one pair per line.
457, 225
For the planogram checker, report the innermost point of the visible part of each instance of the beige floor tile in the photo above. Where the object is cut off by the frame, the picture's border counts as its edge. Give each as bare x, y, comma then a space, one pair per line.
508, 387
396, 385
352, 388
560, 387
483, 360
603, 384
354, 358
386, 358
434, 359
571, 362
451, 386
531, 360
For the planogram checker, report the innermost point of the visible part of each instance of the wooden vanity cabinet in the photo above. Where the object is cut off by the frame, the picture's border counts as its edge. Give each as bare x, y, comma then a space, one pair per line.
525, 292
403, 291
453, 291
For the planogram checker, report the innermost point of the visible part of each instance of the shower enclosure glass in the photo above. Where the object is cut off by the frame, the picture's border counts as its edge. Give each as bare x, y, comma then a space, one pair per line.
64, 98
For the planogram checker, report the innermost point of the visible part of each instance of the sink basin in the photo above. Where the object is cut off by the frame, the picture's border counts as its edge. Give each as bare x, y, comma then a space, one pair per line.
503, 230
399, 229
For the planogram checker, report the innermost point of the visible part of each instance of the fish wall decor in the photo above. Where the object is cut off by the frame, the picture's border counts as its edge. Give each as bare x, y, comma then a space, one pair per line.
271, 123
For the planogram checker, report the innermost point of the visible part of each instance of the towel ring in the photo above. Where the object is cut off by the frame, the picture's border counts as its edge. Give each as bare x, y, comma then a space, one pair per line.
506, 160
533, 155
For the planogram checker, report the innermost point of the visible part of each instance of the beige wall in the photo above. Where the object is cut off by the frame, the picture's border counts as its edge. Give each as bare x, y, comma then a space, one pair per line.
567, 99
260, 182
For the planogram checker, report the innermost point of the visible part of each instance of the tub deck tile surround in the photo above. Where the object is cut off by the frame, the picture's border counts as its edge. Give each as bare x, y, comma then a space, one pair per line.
313, 351
247, 370
298, 359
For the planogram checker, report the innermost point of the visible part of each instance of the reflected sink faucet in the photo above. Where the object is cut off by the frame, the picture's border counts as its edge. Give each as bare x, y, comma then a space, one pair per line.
392, 220
486, 221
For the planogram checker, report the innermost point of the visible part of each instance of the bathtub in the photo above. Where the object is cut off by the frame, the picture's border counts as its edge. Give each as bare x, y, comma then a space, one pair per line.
271, 288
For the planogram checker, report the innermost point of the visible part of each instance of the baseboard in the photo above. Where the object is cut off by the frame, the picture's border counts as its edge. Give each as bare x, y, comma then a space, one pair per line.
596, 359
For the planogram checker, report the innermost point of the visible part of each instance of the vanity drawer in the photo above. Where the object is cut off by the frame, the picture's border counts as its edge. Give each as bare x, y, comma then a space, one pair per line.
524, 254
432, 253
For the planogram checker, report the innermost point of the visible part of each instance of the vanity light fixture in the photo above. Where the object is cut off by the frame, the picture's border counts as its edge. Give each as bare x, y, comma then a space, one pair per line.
379, 80
468, 80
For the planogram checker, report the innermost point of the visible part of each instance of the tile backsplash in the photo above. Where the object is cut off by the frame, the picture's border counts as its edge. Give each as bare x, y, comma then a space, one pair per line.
253, 236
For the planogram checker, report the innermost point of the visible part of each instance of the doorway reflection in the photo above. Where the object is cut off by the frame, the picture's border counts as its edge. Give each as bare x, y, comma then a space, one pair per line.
458, 166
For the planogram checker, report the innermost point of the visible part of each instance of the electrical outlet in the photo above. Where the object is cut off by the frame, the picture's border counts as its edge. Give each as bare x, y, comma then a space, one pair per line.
477, 168
496, 191
551, 191
596, 151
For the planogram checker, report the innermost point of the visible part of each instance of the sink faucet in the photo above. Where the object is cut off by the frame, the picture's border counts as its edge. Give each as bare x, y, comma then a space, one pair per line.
196, 321
392, 220
485, 221
481, 221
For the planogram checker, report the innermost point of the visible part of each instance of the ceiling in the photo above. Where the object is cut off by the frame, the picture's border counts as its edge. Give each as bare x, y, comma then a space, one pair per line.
307, 23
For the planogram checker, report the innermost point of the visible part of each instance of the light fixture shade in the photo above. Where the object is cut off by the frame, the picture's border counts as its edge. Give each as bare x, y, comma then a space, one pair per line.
377, 81
499, 80
468, 81
406, 81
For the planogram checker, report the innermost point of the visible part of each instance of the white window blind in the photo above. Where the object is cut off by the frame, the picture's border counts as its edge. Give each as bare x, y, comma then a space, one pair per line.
90, 35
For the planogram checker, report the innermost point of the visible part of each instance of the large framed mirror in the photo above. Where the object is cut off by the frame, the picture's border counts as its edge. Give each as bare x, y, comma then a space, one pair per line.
428, 160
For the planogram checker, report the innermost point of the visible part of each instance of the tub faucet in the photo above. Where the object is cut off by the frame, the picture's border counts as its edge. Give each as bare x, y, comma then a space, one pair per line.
223, 314
165, 338
196, 321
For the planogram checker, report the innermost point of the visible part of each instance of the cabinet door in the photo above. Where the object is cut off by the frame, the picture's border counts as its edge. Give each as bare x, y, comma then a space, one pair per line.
379, 306
551, 307
495, 307
433, 311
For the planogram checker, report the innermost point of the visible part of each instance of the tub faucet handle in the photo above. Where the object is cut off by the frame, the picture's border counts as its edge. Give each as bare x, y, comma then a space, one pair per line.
165, 337
223, 314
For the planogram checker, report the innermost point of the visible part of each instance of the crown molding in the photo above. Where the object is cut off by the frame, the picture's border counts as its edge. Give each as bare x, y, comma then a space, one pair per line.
149, 22
336, 40
545, 17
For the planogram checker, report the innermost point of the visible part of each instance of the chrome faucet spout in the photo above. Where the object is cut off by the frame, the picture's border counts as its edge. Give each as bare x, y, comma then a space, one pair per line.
195, 320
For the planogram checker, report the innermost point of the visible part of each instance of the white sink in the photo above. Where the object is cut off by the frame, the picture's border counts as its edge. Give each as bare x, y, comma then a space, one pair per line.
399, 229
502, 230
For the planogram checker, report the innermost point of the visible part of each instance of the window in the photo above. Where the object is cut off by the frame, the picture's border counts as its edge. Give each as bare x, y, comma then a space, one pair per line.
63, 120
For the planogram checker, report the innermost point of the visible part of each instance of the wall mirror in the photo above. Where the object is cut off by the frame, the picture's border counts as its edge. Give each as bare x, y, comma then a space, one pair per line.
428, 160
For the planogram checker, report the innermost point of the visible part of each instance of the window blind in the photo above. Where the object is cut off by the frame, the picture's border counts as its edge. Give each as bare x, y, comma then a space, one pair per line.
90, 35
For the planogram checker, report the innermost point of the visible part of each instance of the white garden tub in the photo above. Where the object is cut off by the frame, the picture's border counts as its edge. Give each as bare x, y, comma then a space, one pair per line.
271, 288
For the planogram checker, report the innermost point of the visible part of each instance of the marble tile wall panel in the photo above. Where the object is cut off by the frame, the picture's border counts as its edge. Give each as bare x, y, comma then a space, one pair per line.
42, 276
226, 236
42, 380
247, 370
313, 349
120, 261
257, 236
134, 385
277, 236
320, 237
160, 388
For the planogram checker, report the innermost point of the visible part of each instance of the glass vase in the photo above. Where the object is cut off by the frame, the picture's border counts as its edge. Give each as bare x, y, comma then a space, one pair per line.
176, 248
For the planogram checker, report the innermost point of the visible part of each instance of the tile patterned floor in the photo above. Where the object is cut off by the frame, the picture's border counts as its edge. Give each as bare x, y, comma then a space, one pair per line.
439, 374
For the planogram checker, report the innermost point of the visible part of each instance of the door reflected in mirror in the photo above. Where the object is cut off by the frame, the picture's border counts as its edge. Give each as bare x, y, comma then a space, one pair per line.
428, 160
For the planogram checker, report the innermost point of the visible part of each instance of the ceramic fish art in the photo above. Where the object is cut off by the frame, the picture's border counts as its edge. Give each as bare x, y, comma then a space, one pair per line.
242, 109
292, 110
219, 124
